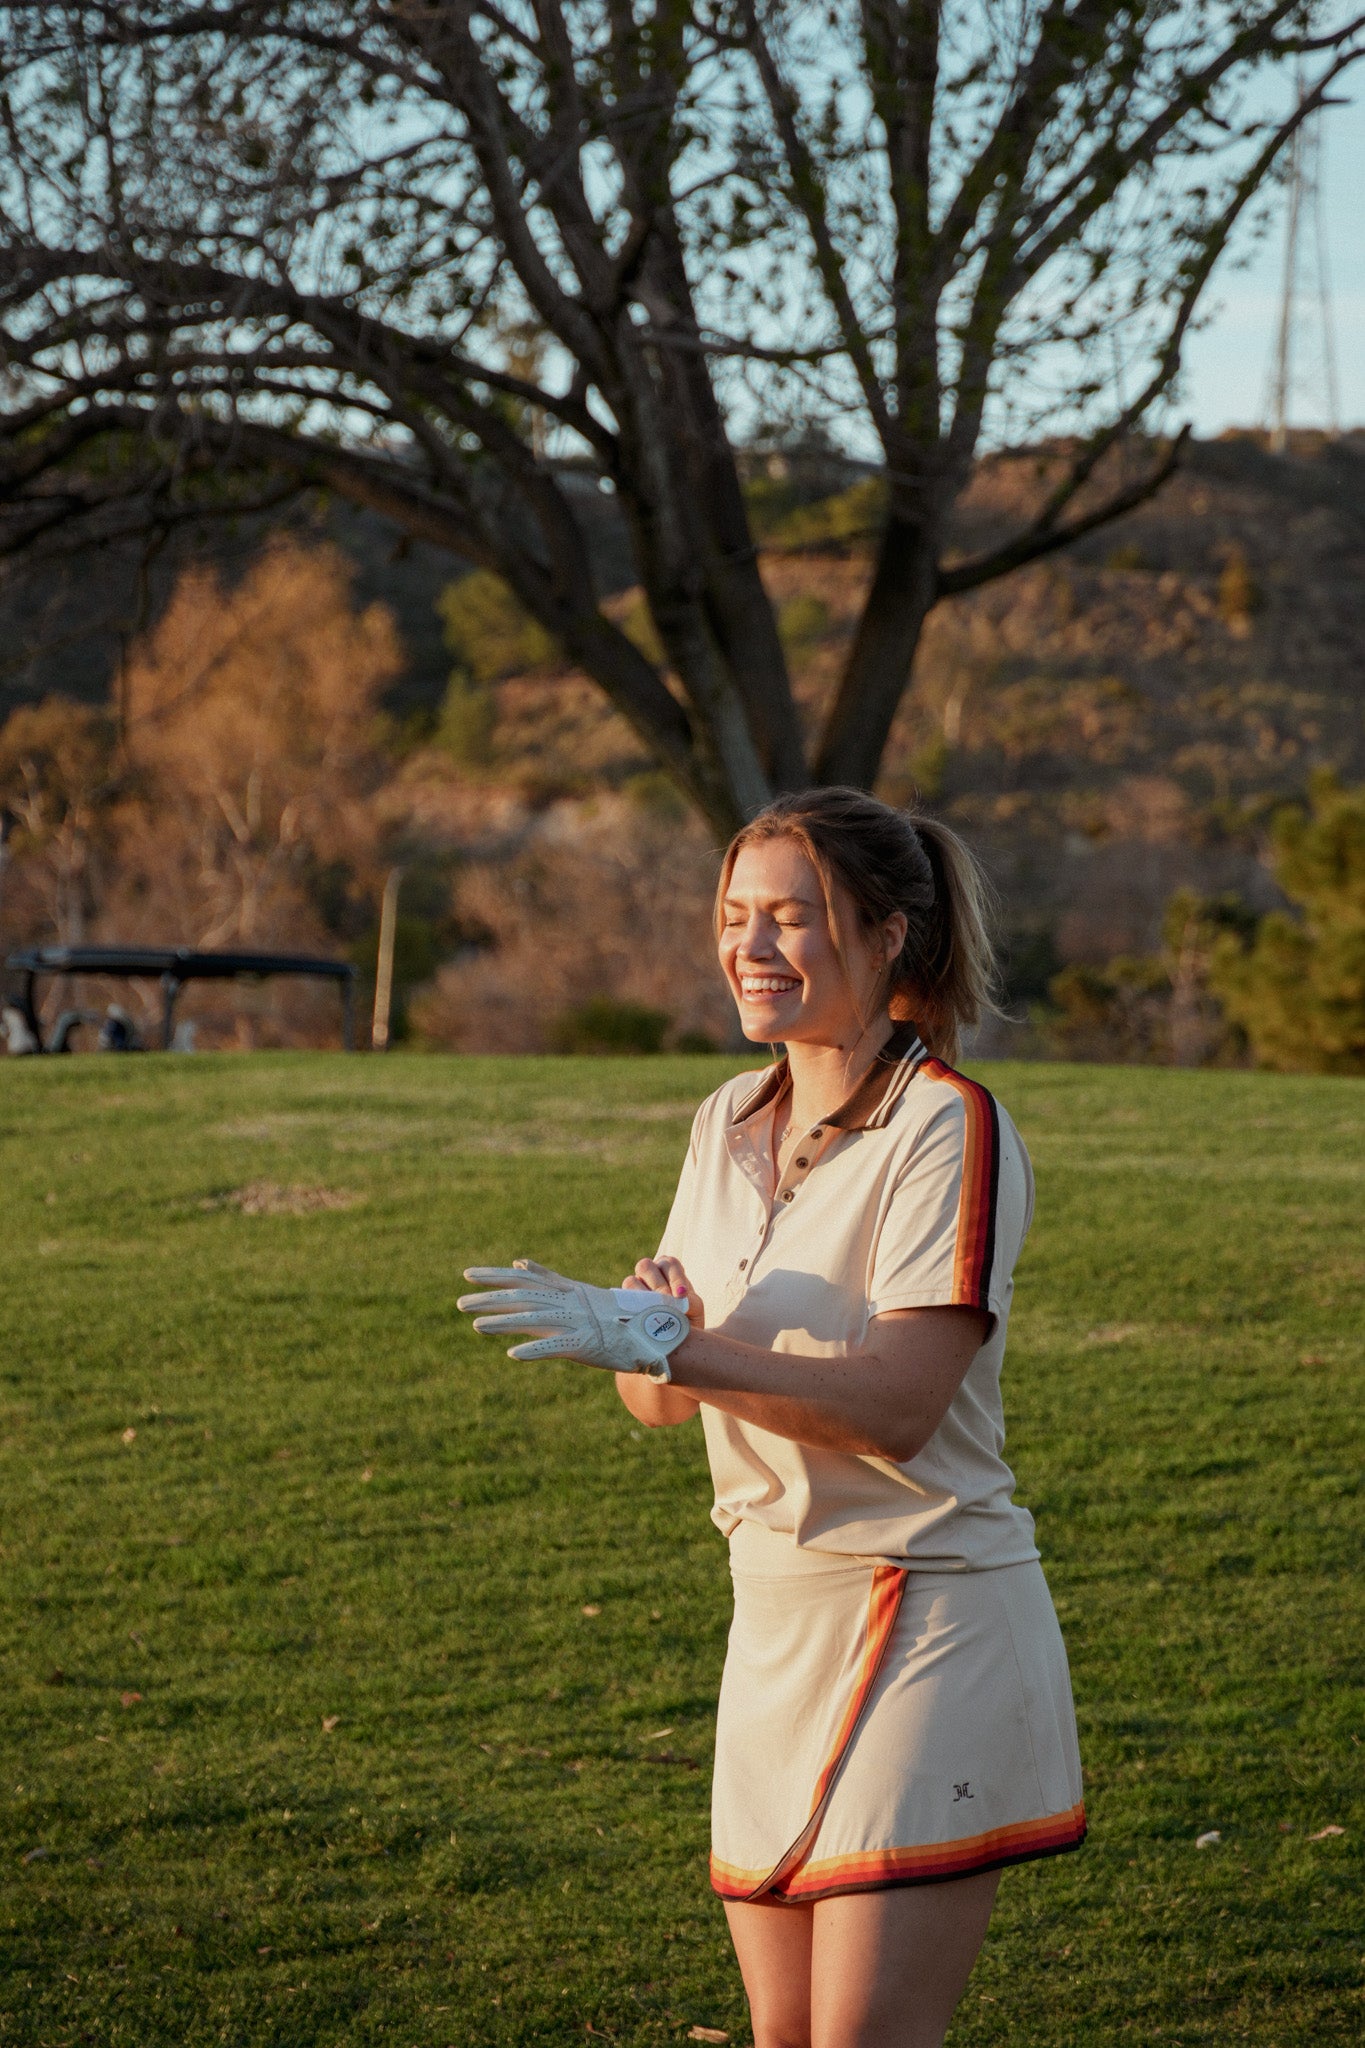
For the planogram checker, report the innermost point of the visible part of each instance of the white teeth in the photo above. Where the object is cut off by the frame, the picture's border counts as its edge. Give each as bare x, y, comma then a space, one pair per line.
755, 985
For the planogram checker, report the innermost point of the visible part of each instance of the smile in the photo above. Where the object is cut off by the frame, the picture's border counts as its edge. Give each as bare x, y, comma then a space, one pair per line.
767, 984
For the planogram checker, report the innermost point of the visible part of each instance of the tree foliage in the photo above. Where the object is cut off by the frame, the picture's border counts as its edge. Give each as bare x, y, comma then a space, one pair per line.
470, 263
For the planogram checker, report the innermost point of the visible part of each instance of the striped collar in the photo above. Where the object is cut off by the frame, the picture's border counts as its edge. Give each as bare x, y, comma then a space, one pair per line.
872, 1100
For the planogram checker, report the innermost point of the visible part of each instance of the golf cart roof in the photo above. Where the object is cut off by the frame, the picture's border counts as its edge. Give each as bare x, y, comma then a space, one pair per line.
173, 966
181, 963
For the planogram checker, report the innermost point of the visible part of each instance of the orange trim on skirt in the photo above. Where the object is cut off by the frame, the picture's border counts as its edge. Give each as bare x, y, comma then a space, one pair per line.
883, 1605
928, 1864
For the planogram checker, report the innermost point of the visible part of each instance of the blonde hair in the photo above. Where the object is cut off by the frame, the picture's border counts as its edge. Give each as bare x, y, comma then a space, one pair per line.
944, 977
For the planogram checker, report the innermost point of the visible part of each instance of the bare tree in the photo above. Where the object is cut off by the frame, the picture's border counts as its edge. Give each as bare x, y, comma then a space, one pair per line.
464, 261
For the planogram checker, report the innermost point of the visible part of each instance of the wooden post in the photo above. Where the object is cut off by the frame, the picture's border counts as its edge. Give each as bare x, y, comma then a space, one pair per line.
170, 989
383, 977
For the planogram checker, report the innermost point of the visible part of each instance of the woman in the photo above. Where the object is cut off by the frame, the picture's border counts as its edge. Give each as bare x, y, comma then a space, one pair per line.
895, 1719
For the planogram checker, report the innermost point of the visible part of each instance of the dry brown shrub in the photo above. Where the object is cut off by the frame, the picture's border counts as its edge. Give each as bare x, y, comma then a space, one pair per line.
249, 718
250, 771
603, 899
56, 765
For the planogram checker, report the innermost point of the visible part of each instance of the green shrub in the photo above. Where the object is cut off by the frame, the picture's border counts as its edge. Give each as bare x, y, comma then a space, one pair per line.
1030, 964
637, 623
928, 766
849, 515
1117, 1012
1298, 988
490, 632
695, 1041
656, 794
604, 1024
769, 500
801, 622
1145, 1009
468, 721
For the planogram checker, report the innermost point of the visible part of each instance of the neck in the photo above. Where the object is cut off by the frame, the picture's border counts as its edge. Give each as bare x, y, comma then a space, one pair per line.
823, 1076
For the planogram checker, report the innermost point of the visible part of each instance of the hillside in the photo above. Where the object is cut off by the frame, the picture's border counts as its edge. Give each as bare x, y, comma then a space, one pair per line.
1106, 727
1126, 716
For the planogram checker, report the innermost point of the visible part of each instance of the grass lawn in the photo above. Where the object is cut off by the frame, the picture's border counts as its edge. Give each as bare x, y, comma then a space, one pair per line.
356, 1685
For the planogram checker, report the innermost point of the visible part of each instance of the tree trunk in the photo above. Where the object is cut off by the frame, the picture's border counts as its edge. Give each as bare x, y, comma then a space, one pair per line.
739, 612
877, 672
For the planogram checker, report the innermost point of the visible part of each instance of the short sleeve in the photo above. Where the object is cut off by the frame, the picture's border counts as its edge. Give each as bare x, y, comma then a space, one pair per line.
676, 1228
958, 1212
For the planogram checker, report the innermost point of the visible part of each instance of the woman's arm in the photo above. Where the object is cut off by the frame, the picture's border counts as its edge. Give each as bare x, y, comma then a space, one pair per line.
884, 1400
652, 1404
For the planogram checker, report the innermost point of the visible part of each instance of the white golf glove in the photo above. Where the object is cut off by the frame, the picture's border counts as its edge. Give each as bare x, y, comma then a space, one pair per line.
623, 1329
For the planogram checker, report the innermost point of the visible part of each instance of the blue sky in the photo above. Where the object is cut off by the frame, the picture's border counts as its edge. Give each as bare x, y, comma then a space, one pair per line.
1228, 362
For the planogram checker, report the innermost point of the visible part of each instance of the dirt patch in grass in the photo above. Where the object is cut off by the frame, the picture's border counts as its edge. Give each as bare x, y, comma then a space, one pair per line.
269, 1198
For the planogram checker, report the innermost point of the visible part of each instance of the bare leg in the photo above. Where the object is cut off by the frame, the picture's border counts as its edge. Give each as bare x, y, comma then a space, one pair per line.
773, 1946
887, 1968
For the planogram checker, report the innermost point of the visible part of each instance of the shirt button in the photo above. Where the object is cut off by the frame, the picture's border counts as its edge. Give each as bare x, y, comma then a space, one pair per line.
803, 1162
788, 1194
742, 1264
818, 1132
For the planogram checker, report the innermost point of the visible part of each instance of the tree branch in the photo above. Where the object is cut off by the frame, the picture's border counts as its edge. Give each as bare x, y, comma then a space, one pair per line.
808, 192
1038, 541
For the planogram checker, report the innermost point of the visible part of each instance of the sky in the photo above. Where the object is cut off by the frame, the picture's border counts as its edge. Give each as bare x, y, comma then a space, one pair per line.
1228, 363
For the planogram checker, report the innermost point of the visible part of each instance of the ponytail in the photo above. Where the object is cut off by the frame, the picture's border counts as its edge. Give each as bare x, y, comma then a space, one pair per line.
956, 976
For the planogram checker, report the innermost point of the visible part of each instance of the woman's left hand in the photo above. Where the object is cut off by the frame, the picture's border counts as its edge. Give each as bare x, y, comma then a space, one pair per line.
665, 1275
654, 1405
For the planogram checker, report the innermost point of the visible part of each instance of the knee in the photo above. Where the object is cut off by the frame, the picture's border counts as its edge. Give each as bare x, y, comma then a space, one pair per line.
783, 2028
891, 2028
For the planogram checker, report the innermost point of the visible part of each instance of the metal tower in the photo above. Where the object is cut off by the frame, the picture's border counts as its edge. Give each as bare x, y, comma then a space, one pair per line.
1304, 368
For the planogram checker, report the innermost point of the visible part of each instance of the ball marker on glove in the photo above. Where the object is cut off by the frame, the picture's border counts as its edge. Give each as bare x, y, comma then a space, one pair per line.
622, 1329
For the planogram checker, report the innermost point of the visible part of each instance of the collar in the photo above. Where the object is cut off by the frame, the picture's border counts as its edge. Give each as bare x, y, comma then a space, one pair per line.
872, 1100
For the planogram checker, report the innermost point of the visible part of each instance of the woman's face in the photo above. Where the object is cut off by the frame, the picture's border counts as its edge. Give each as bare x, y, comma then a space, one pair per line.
778, 954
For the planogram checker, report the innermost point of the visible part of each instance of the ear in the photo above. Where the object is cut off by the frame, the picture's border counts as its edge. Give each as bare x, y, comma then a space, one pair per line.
893, 936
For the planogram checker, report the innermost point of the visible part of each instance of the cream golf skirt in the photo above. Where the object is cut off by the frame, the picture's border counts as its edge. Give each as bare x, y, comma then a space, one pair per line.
881, 1726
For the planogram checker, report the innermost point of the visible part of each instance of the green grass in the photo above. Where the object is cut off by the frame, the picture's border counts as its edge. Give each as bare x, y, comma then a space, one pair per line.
340, 1502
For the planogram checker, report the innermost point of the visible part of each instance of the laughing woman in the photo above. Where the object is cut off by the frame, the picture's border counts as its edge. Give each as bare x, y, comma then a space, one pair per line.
895, 1720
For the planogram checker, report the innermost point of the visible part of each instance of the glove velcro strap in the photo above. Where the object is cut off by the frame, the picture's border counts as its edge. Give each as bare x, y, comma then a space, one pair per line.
665, 1326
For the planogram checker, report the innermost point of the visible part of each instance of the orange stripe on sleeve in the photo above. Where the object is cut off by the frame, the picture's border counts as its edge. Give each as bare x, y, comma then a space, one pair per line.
975, 1254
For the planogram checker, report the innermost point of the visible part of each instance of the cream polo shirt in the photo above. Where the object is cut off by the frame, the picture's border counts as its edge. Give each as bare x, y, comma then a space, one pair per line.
917, 1193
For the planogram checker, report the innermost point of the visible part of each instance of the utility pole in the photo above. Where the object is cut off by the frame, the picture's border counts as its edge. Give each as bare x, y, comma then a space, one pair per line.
1305, 294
